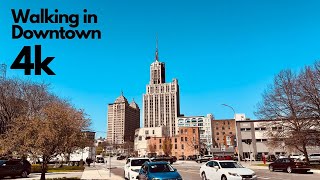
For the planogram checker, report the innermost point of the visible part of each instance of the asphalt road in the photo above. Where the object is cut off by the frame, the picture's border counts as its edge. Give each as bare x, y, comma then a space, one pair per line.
191, 172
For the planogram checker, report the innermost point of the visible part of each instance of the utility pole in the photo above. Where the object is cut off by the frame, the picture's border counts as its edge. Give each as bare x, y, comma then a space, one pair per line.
235, 124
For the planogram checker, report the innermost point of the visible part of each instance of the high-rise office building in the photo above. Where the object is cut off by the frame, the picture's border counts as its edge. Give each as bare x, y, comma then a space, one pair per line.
161, 100
123, 120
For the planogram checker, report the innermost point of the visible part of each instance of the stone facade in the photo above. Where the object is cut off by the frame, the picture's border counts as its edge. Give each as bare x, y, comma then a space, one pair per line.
161, 101
123, 120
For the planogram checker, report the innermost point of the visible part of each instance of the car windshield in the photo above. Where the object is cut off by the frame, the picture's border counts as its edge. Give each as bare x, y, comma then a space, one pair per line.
158, 168
2, 162
230, 165
138, 162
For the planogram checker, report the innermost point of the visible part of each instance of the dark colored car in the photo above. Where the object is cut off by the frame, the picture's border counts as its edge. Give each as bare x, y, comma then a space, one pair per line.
222, 158
158, 170
271, 158
182, 157
14, 167
121, 157
289, 165
192, 157
174, 158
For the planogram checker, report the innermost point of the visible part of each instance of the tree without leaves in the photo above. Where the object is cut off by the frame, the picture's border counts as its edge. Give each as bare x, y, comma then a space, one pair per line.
167, 146
286, 103
49, 126
151, 148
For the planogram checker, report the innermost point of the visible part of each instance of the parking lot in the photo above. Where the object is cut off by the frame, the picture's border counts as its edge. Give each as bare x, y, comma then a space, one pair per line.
189, 170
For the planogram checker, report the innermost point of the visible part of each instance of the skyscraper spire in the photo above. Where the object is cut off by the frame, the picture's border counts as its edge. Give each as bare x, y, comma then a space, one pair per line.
157, 58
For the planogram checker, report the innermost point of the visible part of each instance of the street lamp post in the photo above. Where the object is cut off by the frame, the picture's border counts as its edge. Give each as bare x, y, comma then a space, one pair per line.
235, 124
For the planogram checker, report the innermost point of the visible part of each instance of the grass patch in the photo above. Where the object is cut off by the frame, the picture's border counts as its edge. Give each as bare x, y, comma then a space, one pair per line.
36, 168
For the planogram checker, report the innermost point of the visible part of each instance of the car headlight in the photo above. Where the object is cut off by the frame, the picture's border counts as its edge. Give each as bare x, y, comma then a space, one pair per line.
253, 174
179, 178
135, 170
233, 174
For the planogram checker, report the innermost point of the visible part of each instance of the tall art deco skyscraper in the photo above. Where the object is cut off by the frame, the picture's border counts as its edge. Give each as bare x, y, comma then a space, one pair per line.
161, 102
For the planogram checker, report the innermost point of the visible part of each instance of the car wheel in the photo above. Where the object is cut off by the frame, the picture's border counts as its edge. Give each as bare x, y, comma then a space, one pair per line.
289, 169
271, 168
223, 177
203, 176
24, 174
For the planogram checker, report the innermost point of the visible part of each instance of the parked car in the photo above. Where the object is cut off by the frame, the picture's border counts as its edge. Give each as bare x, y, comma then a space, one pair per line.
295, 156
192, 157
271, 158
182, 157
223, 170
204, 158
15, 167
289, 165
222, 158
132, 167
174, 158
163, 158
314, 158
121, 157
99, 160
158, 170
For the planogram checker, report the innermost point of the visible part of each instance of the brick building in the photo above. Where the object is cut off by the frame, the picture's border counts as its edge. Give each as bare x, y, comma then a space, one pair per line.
224, 133
184, 144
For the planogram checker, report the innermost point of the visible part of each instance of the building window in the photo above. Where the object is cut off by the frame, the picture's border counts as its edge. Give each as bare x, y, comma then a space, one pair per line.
181, 131
194, 131
223, 133
160, 146
185, 139
182, 146
155, 146
222, 127
175, 139
147, 132
230, 132
217, 128
181, 138
159, 140
217, 133
175, 146
152, 131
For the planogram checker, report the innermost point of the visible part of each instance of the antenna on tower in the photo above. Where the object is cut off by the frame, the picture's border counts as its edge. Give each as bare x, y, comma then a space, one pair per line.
3, 71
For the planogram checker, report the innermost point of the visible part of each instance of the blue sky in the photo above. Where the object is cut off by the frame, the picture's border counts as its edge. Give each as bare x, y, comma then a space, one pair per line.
220, 51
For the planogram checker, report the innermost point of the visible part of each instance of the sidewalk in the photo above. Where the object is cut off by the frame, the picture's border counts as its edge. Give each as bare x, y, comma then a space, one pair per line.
94, 173
255, 166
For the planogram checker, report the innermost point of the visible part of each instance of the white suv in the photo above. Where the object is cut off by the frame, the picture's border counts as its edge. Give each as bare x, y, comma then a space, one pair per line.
132, 167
